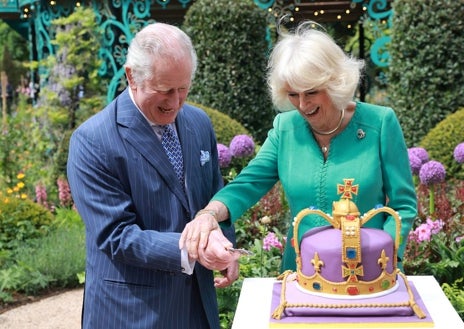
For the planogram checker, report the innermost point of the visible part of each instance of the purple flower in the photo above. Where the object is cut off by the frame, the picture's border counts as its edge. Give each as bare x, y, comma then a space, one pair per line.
419, 152
459, 153
415, 163
432, 172
242, 146
224, 155
271, 241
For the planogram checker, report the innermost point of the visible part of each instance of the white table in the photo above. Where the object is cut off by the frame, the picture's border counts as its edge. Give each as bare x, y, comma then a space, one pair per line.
253, 309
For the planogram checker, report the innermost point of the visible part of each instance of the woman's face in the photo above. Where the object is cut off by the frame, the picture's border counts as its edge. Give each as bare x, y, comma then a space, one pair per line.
316, 107
162, 97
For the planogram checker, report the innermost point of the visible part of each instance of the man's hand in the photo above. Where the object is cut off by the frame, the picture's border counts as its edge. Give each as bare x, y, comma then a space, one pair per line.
230, 274
216, 255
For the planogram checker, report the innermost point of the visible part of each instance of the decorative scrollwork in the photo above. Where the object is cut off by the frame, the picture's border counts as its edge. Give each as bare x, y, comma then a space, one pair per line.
264, 4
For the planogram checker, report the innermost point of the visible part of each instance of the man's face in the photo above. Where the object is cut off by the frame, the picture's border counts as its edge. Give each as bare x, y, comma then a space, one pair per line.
162, 97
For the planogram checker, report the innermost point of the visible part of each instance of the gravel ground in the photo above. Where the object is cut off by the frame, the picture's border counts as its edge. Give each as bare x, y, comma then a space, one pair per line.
62, 311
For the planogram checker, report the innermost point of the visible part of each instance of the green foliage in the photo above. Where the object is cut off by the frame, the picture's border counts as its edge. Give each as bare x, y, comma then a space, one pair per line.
59, 256
225, 127
13, 147
441, 141
230, 39
13, 52
25, 146
22, 220
71, 87
449, 259
425, 76
72, 74
435, 247
49, 261
455, 293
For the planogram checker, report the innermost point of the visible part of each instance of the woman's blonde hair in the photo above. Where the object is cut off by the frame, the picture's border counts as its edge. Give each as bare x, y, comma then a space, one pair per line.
309, 59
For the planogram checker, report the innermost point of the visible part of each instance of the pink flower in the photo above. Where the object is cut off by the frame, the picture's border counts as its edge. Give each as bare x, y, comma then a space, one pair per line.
423, 232
272, 241
64, 192
435, 225
41, 195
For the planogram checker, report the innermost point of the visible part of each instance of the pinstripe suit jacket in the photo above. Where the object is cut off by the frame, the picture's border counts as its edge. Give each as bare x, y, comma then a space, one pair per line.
134, 209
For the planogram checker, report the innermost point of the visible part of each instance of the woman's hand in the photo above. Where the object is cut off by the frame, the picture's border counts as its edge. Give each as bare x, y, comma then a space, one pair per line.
196, 233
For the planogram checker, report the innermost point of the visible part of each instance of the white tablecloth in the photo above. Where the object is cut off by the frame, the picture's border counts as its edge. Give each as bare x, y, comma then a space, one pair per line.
253, 309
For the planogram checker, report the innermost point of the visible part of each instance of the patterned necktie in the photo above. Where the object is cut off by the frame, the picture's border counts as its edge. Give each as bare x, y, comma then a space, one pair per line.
173, 150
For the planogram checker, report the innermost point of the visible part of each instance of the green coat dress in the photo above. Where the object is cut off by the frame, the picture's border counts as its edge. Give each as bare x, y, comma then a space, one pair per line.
371, 150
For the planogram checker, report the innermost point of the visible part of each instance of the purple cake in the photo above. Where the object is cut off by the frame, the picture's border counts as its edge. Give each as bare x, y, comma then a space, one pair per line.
344, 268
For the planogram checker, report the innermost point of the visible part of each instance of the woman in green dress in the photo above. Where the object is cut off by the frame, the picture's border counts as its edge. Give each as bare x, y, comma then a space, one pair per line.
320, 138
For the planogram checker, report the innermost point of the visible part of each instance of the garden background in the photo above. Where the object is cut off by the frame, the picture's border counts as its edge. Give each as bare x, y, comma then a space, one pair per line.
42, 236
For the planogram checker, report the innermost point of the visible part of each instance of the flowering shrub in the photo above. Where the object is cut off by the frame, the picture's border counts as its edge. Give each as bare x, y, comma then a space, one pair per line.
64, 192
272, 241
435, 244
258, 230
425, 230
234, 158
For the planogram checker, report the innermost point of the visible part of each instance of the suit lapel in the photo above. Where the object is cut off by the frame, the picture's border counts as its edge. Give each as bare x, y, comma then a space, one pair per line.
188, 140
135, 129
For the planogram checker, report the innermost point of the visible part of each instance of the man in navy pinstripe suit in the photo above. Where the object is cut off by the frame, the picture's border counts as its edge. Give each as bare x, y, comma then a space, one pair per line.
134, 206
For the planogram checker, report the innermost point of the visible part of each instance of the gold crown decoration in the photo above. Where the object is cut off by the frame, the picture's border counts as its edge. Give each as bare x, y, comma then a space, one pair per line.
345, 217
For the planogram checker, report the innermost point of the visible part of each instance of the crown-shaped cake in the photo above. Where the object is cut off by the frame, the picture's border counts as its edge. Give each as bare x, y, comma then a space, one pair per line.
345, 269
347, 259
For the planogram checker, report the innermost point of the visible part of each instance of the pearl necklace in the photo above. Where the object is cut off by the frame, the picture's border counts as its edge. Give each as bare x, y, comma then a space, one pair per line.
330, 132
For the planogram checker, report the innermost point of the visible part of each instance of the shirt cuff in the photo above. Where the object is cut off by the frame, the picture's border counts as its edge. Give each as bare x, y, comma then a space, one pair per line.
187, 267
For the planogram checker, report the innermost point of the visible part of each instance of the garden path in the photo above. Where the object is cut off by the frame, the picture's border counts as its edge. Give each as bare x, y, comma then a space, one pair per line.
62, 311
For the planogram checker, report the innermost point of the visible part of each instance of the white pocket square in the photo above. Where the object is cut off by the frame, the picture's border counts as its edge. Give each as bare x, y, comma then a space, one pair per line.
204, 157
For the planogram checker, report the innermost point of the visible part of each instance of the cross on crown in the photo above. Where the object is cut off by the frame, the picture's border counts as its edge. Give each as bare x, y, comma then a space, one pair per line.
348, 189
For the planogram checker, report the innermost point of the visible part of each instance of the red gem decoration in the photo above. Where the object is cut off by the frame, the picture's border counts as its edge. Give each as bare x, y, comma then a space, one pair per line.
350, 217
292, 241
352, 291
371, 289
